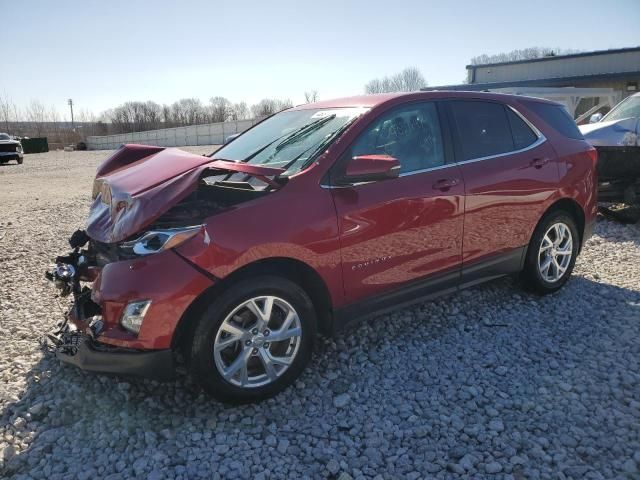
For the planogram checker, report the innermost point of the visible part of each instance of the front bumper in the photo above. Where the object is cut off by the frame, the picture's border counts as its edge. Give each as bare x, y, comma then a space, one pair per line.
75, 344
82, 351
6, 156
92, 337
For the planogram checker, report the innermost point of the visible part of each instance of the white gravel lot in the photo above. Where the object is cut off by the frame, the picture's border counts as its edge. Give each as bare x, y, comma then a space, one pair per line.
491, 383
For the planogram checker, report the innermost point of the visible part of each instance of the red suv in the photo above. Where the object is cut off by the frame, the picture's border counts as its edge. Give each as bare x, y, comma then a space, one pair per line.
318, 216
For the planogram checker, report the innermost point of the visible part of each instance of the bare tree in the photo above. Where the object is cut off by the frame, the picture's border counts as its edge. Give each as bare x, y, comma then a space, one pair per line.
167, 117
408, 80
37, 114
269, 106
311, 96
239, 111
521, 54
219, 109
188, 111
8, 111
135, 117
53, 128
377, 85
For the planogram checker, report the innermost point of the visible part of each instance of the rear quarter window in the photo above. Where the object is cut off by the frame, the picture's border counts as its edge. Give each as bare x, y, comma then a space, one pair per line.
557, 117
523, 136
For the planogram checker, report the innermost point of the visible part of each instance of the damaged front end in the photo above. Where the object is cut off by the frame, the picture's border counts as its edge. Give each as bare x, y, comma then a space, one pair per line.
75, 341
129, 286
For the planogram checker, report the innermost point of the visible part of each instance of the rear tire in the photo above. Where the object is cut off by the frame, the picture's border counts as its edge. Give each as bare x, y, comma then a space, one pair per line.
552, 253
235, 356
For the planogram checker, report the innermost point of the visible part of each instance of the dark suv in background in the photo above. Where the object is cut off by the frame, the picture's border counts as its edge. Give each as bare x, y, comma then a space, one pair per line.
318, 216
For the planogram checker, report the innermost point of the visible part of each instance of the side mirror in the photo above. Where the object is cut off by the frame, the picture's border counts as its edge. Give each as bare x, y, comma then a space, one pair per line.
371, 168
595, 118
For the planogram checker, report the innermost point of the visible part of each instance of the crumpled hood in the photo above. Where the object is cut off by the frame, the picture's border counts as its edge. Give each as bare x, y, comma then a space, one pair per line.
612, 134
139, 183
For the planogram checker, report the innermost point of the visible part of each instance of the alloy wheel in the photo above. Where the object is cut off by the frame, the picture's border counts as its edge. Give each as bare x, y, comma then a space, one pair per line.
556, 250
257, 342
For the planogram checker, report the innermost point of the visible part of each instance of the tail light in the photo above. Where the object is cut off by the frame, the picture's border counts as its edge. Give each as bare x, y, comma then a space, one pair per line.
593, 155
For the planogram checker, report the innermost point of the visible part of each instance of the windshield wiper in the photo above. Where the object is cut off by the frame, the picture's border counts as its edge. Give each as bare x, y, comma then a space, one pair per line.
287, 138
305, 130
317, 148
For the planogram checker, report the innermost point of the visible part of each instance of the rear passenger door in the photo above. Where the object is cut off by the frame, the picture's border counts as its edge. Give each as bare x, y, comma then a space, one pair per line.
509, 170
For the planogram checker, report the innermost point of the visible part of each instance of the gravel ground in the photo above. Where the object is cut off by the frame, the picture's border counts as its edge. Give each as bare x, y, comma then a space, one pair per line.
492, 382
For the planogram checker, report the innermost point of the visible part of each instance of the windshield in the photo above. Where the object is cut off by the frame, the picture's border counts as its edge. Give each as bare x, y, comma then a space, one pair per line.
628, 108
4, 136
289, 140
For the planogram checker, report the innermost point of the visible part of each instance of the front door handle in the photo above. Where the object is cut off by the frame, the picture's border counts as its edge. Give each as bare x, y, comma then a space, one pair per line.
539, 162
445, 184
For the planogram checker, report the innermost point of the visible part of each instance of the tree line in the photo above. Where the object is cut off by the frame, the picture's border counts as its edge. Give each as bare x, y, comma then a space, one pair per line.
521, 54
37, 119
137, 116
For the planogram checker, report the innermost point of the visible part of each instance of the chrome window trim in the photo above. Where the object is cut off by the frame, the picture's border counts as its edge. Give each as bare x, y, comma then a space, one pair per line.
526, 120
541, 139
405, 174
535, 144
424, 170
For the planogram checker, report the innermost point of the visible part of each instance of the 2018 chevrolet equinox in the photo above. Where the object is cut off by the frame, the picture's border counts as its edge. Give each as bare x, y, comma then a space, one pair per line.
229, 264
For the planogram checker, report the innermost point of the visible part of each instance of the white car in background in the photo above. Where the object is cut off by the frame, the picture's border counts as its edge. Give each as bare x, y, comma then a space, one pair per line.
618, 128
616, 138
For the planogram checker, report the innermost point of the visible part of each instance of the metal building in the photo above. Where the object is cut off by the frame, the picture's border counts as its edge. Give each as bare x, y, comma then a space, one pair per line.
609, 75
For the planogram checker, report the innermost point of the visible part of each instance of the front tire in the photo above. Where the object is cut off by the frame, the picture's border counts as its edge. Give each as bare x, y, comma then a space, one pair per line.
552, 253
254, 340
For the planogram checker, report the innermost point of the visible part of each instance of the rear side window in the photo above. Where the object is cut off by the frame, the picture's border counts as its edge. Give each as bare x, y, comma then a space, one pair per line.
483, 129
523, 136
557, 117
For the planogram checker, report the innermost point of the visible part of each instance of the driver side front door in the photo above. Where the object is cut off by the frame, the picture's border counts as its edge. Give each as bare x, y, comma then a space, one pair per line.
402, 238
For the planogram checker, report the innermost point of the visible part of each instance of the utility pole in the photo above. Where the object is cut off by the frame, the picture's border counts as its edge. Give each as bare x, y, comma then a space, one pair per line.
70, 102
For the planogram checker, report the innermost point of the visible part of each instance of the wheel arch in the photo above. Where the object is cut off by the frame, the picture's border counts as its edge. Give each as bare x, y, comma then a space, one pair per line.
292, 269
573, 208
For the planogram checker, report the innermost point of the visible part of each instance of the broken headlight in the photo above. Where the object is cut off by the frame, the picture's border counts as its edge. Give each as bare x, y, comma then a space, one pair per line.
158, 240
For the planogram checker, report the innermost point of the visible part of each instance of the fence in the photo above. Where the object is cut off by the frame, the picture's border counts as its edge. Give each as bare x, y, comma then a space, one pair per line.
207, 134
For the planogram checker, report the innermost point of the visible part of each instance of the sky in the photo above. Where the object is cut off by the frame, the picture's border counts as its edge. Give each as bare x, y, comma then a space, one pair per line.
103, 53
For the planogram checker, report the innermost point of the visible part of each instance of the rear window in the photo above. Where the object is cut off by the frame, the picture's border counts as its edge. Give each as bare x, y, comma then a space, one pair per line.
483, 129
557, 117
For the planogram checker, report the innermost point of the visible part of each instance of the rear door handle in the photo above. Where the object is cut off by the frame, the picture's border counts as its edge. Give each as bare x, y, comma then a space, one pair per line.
539, 162
445, 184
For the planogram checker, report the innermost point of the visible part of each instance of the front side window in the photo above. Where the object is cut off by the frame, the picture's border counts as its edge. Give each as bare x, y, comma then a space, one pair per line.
290, 139
411, 134
483, 129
